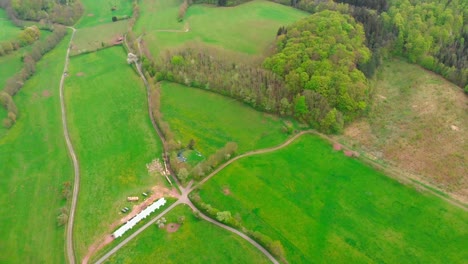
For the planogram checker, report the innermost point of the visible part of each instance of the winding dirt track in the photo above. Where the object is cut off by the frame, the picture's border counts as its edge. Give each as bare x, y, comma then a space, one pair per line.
251, 153
76, 166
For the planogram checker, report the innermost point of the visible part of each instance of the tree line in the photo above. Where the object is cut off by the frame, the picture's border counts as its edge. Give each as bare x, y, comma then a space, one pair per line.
273, 246
313, 75
26, 37
16, 82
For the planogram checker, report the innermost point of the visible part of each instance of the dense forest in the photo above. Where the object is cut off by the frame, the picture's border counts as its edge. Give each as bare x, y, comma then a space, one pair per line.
65, 12
430, 33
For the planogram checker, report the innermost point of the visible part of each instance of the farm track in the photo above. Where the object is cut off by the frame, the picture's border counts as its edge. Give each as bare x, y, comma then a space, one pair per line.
71, 151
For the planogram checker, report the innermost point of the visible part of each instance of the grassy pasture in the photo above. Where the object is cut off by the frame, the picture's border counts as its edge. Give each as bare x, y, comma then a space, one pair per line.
34, 164
11, 64
113, 137
196, 241
419, 122
257, 22
8, 30
13, 61
98, 37
212, 120
327, 208
99, 12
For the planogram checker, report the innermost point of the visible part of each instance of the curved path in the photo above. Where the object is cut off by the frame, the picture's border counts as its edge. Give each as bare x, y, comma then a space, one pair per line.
71, 151
184, 200
251, 153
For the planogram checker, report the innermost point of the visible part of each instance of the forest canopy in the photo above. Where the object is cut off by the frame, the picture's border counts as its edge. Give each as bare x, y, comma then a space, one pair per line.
318, 57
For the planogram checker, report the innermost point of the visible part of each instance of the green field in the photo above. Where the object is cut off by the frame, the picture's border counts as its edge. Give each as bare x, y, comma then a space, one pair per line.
100, 12
249, 28
212, 120
13, 60
97, 37
196, 241
8, 30
34, 164
113, 137
327, 208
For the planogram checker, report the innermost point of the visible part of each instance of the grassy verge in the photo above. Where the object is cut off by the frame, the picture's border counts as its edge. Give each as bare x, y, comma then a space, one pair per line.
34, 165
9, 30
329, 208
196, 241
212, 120
417, 122
257, 22
102, 11
113, 137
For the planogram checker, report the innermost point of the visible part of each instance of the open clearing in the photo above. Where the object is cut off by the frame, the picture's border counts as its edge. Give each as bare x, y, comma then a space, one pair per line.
328, 208
418, 122
212, 120
97, 37
8, 30
100, 12
113, 138
195, 241
257, 22
34, 164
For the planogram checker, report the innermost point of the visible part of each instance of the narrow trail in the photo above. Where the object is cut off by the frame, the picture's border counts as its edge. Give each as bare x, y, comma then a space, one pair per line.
71, 151
252, 153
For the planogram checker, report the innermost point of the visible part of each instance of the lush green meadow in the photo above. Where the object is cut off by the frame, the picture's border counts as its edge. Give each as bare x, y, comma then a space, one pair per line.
196, 241
34, 164
8, 30
212, 120
14, 63
256, 22
97, 37
325, 207
113, 137
100, 12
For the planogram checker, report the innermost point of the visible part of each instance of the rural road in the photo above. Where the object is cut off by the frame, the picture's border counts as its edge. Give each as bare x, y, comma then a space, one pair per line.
184, 200
71, 151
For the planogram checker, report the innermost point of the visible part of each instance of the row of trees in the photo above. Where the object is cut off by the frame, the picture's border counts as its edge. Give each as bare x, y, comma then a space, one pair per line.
212, 70
183, 9
28, 36
15, 83
221, 2
273, 246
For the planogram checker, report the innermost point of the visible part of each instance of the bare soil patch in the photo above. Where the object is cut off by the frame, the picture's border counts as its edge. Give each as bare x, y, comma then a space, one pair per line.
418, 123
172, 227
90, 14
157, 193
80, 74
46, 93
226, 191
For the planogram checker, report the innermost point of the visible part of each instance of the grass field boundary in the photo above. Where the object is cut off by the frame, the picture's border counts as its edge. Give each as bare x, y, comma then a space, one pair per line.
391, 172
